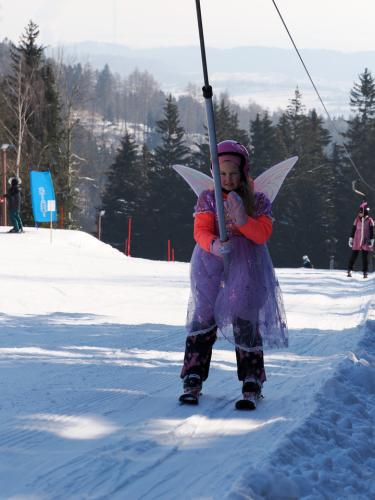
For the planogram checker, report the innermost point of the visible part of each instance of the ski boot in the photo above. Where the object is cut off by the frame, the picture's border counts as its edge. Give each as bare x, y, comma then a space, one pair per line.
251, 393
192, 389
349, 275
365, 275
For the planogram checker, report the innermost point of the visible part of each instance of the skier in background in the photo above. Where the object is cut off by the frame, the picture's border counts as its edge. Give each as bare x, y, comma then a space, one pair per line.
306, 262
361, 238
246, 305
14, 204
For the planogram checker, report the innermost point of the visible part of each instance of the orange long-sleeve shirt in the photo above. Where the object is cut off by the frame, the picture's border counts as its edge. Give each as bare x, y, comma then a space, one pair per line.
257, 229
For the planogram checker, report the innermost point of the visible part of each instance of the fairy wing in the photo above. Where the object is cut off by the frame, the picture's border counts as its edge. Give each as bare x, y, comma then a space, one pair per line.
270, 181
198, 181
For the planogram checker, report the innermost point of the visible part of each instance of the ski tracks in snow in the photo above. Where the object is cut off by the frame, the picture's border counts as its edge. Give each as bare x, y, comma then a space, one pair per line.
96, 415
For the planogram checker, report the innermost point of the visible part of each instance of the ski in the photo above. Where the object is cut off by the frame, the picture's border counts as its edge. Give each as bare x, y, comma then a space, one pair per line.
248, 402
189, 399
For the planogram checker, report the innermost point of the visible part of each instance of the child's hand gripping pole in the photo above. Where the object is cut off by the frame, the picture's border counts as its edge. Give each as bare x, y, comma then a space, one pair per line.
221, 248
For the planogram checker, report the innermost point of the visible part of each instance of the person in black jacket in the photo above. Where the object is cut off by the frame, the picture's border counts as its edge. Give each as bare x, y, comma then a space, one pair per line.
14, 204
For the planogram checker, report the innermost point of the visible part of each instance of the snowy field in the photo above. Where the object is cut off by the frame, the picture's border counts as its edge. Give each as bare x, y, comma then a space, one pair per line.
91, 347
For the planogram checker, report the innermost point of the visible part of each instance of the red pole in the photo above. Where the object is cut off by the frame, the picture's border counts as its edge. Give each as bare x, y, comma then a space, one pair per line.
173, 254
169, 250
4, 205
129, 234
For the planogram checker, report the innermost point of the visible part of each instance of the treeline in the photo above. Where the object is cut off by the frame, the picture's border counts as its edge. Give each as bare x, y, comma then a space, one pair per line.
313, 212
38, 122
83, 112
66, 118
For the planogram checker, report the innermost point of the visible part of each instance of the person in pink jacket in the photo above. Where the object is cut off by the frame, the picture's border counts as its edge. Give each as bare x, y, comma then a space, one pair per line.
361, 238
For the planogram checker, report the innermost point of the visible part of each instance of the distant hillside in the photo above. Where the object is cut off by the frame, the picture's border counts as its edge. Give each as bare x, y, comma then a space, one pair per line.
267, 76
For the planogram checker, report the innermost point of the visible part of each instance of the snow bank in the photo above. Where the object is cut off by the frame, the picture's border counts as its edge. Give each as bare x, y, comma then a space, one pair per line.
332, 454
91, 348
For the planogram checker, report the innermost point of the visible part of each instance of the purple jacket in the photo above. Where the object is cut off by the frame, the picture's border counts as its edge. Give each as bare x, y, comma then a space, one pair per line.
362, 233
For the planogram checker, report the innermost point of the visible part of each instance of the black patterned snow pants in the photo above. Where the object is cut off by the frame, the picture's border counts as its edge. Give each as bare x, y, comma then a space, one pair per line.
198, 353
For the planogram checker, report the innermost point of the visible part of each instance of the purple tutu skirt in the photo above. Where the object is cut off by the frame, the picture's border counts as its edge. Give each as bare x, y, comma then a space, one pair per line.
245, 305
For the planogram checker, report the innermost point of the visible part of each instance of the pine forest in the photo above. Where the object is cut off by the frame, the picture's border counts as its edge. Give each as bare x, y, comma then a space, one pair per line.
110, 143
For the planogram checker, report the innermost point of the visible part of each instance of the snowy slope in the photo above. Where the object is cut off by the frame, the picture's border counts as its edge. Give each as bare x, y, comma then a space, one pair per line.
91, 347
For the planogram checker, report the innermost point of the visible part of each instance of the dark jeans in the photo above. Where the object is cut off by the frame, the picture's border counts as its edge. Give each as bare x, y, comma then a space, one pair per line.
16, 219
353, 258
198, 353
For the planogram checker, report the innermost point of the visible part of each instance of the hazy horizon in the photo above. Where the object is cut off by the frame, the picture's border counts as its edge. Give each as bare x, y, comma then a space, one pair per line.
264, 76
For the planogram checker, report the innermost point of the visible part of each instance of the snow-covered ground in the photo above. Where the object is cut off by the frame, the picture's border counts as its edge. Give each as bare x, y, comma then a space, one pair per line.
91, 347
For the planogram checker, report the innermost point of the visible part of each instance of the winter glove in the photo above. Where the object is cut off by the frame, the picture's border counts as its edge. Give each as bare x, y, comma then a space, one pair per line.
350, 242
220, 248
236, 209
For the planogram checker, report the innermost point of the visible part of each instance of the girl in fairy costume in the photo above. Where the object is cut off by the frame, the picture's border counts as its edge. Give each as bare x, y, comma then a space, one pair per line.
245, 304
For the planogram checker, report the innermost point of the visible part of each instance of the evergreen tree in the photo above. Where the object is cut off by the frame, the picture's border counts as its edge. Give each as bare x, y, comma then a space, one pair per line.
29, 48
360, 135
264, 148
303, 207
171, 199
289, 135
50, 136
124, 196
290, 129
342, 207
172, 149
362, 96
316, 189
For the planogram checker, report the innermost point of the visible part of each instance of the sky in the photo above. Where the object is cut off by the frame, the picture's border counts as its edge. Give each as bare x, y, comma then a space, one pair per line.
91, 348
333, 24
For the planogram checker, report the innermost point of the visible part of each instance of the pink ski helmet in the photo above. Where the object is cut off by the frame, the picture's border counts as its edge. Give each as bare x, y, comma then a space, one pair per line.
234, 148
363, 207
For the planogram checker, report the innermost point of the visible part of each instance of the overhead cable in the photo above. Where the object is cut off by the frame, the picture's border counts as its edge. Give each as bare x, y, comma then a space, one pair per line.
320, 98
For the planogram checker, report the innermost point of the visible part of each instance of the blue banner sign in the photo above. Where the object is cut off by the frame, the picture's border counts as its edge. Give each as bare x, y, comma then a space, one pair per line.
42, 196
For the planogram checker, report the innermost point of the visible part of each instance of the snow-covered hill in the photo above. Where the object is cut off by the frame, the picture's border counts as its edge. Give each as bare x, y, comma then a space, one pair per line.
91, 347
